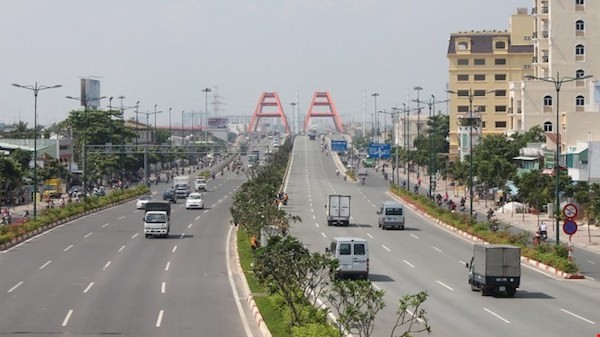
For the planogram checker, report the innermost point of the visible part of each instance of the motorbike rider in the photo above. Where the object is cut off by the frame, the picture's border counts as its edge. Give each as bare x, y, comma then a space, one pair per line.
544, 230
490, 214
337, 172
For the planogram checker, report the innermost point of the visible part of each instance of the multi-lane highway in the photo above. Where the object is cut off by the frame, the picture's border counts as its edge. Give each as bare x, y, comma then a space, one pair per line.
98, 275
427, 257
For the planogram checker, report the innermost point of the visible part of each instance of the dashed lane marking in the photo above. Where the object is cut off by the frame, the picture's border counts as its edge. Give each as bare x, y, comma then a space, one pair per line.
15, 287
134, 235
163, 287
386, 248
121, 249
414, 236
66, 320
69, 247
174, 249
45, 264
444, 285
88, 235
436, 248
408, 263
105, 225
497, 316
369, 235
159, 319
167, 266
323, 234
121, 217
575, 315
88, 287
106, 266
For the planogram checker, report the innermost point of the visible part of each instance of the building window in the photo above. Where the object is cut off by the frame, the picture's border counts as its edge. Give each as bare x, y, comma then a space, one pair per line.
579, 50
500, 108
463, 108
479, 62
548, 127
579, 73
500, 124
500, 93
579, 25
478, 92
479, 77
462, 62
580, 2
462, 46
479, 108
500, 77
462, 93
579, 100
548, 100
500, 45
462, 77
500, 62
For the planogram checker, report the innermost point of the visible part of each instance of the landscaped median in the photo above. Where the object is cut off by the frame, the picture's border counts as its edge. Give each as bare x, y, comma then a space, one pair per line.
555, 256
11, 235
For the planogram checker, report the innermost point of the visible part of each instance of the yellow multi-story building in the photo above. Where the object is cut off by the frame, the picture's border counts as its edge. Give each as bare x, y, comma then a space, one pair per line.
481, 65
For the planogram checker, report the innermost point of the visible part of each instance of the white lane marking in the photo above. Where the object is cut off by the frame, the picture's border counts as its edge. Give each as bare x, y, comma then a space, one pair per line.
591, 262
121, 217
444, 285
45, 264
174, 249
497, 316
66, 320
15, 287
408, 263
412, 314
69, 247
369, 235
163, 287
386, 248
325, 236
312, 210
414, 236
121, 249
462, 262
106, 266
182, 235
88, 287
167, 266
134, 235
189, 226
317, 224
198, 217
314, 217
105, 225
436, 248
88, 235
375, 286
159, 319
575, 315
205, 211
213, 205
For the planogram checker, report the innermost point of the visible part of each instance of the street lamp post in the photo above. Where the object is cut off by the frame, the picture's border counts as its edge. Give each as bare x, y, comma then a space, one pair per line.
418, 90
85, 101
470, 96
154, 140
375, 95
36, 90
182, 132
170, 129
557, 81
293, 104
206, 91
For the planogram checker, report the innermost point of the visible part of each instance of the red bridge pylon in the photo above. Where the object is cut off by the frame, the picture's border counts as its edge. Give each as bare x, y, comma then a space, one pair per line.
269, 100
323, 99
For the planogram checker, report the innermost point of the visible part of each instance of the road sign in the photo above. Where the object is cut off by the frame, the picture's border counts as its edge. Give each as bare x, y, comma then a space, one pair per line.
339, 145
570, 211
381, 151
570, 227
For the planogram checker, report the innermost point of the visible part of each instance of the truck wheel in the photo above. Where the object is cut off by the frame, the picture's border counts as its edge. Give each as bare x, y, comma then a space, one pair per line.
511, 292
473, 287
484, 292
147, 236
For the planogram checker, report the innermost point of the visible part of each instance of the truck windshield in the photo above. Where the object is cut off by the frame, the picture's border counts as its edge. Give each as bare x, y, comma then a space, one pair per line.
393, 211
156, 218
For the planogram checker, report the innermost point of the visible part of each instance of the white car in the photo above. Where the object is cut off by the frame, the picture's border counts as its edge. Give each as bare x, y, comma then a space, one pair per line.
142, 201
194, 200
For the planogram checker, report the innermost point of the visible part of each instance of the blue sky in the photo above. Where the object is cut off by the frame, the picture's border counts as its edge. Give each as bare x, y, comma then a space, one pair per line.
166, 51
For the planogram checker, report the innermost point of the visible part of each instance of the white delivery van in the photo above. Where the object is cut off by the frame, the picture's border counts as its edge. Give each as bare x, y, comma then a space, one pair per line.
391, 215
352, 254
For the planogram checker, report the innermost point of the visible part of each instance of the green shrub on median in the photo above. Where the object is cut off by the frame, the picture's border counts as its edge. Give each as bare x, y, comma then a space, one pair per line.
553, 255
51, 215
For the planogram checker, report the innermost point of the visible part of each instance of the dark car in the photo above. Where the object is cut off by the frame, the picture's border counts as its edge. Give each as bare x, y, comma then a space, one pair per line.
170, 195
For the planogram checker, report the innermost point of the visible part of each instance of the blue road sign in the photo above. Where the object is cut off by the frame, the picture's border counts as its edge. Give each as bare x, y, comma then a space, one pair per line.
339, 145
381, 151
570, 227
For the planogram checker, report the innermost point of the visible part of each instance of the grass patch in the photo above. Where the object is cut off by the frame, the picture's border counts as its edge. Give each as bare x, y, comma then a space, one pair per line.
267, 304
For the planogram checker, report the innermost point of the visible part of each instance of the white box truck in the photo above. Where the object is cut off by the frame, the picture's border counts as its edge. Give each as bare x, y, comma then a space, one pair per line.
338, 210
495, 269
182, 188
157, 219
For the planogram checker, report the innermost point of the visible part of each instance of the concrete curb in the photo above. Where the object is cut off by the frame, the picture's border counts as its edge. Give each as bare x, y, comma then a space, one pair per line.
262, 326
44, 228
526, 260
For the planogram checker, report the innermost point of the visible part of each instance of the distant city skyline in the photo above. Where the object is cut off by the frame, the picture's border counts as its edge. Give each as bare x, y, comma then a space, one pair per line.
165, 52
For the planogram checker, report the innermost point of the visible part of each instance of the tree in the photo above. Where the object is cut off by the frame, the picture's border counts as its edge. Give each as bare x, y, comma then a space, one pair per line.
356, 304
10, 175
410, 313
287, 268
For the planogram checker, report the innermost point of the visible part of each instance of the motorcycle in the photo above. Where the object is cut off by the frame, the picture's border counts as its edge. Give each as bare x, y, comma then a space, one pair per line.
494, 225
362, 181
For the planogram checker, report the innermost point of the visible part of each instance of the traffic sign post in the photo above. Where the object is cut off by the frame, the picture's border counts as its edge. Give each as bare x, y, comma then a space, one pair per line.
380, 151
339, 146
570, 211
570, 227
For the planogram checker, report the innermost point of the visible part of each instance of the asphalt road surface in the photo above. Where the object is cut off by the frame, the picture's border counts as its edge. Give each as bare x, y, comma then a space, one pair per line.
427, 257
98, 275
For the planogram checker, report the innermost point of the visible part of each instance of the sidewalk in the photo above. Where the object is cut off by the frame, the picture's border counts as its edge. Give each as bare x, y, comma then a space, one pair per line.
587, 237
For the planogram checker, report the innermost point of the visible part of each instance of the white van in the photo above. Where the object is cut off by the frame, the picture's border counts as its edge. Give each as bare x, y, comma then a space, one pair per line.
391, 215
352, 254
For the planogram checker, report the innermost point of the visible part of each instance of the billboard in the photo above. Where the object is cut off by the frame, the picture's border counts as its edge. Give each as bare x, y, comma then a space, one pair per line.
90, 93
217, 123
